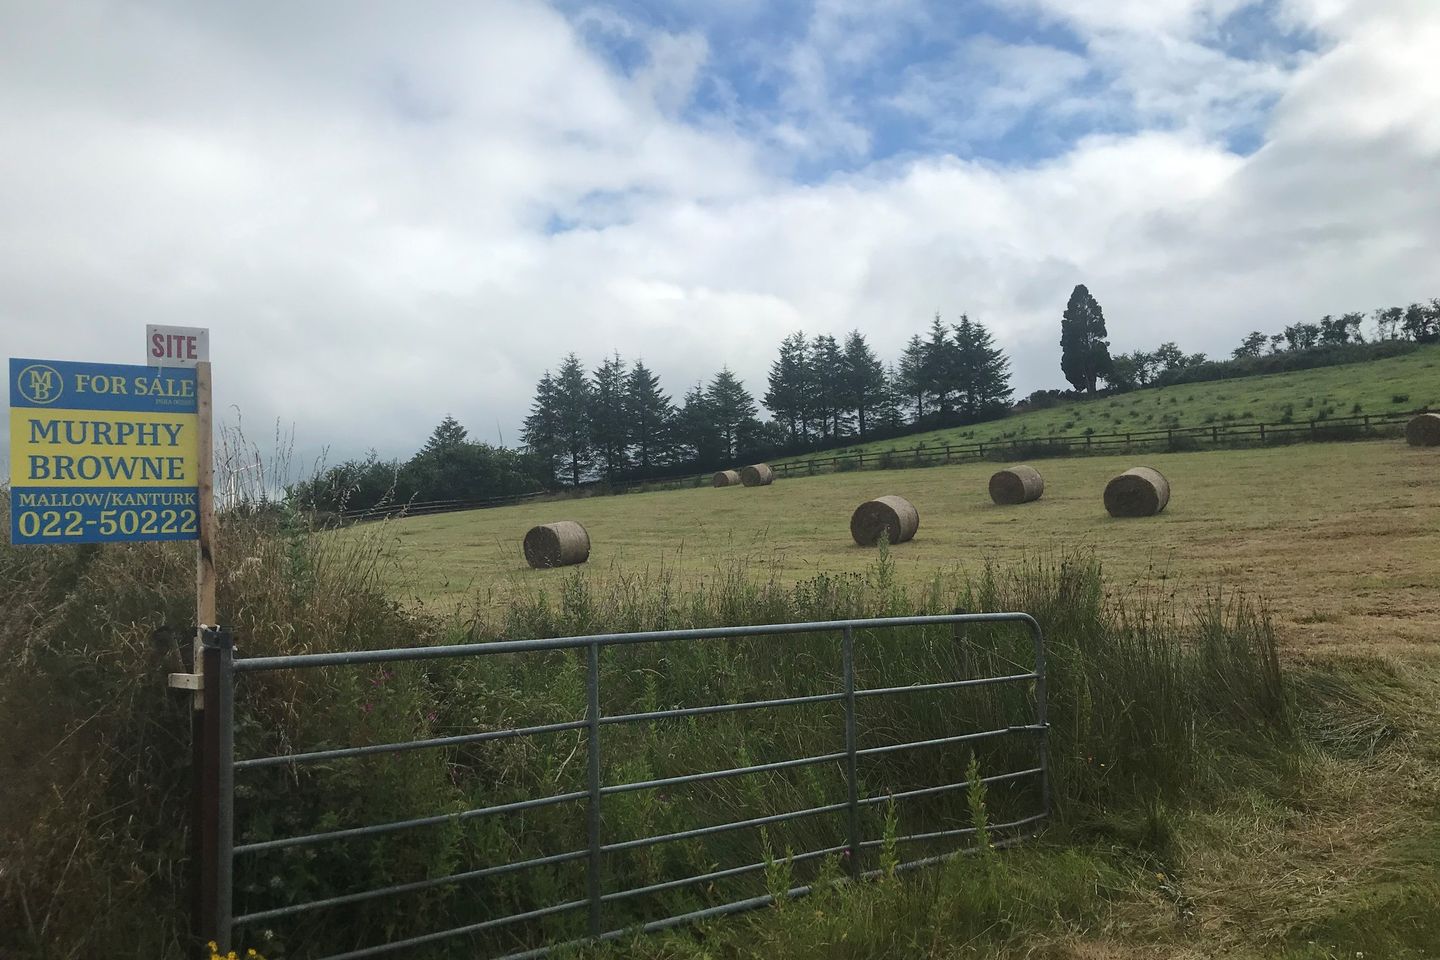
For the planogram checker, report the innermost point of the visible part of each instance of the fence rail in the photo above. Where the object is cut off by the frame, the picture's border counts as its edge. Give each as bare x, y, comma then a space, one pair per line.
1234, 433
220, 767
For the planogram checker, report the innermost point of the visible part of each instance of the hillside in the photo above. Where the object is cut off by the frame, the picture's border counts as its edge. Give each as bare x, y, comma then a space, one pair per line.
1378, 386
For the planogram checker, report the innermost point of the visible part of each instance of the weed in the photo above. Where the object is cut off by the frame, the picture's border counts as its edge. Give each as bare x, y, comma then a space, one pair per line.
975, 800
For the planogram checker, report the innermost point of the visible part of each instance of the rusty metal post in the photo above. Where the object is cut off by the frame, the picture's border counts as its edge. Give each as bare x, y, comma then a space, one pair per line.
215, 782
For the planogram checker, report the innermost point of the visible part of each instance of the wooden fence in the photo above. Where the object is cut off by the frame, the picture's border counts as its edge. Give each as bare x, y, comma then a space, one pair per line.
1220, 435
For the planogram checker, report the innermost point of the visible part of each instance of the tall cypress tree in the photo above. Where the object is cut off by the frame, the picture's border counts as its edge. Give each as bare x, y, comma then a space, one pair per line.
982, 371
1084, 351
609, 422
573, 395
864, 381
650, 414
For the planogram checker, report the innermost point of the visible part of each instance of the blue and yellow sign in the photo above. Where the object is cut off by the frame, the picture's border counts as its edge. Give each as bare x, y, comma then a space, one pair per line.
102, 452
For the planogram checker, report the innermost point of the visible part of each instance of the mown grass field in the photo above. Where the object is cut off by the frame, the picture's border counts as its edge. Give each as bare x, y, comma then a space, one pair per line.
1396, 384
1342, 540
1332, 857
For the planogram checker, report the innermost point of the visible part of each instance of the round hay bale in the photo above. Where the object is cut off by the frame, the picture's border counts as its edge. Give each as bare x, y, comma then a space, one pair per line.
889, 518
757, 475
725, 478
1138, 492
559, 544
1423, 430
1016, 485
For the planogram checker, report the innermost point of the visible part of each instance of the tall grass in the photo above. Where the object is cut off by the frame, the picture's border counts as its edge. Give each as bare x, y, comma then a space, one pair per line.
1146, 703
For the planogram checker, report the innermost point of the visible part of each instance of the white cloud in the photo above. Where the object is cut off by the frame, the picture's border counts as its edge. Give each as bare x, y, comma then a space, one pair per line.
360, 206
989, 89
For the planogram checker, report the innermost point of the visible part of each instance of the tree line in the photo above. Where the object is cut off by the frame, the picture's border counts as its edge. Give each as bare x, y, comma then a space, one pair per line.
1086, 361
617, 421
620, 422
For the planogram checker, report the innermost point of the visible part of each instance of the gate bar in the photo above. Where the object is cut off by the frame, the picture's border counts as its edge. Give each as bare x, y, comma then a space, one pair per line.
852, 776
592, 717
450, 651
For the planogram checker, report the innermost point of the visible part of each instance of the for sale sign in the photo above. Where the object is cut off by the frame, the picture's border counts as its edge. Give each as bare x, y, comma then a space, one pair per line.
102, 452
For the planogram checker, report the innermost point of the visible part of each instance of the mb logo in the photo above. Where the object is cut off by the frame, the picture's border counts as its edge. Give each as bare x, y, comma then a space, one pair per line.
40, 384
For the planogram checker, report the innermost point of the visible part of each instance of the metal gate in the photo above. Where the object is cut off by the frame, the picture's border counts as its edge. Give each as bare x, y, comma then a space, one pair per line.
218, 769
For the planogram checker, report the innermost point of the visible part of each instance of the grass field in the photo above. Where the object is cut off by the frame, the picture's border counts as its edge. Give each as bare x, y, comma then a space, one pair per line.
1342, 540
1332, 855
1379, 386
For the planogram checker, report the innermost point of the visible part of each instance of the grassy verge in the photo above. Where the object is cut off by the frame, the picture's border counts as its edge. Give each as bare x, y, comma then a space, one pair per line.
1161, 718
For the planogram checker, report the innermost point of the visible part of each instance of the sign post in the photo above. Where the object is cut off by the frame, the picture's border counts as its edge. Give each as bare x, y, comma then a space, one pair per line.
105, 453
205, 544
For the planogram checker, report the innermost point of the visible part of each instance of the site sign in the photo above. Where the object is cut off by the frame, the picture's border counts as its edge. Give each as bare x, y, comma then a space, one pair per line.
102, 452
176, 346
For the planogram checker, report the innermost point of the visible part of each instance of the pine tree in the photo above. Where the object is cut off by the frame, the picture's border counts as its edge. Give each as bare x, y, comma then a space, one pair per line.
542, 429
885, 414
572, 419
827, 373
609, 424
650, 413
445, 437
787, 396
911, 382
733, 410
697, 437
940, 365
982, 371
1084, 351
864, 381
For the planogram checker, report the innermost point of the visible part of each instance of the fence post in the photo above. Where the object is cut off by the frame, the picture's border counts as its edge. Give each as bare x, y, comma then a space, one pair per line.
215, 785
1262, 434
592, 738
1042, 716
852, 781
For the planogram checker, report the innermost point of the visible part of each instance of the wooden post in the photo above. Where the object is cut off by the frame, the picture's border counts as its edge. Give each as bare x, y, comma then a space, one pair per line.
205, 509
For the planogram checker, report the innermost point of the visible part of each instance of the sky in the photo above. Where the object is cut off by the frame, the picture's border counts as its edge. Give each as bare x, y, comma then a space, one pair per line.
387, 213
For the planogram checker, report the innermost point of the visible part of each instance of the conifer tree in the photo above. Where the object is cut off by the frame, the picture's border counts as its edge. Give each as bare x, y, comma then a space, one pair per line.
982, 371
788, 394
541, 434
864, 381
573, 394
609, 423
650, 414
733, 411
1084, 351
